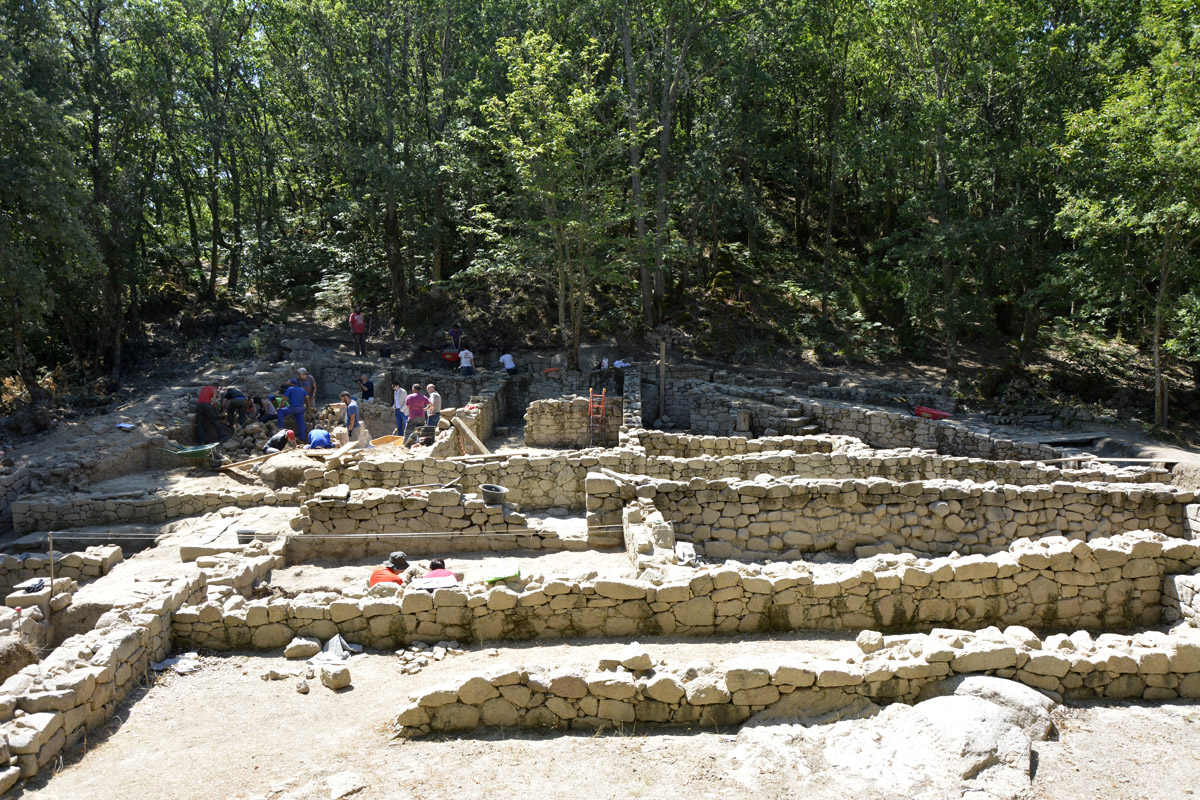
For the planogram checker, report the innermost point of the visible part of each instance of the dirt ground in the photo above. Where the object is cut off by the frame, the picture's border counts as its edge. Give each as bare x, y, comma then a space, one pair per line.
223, 732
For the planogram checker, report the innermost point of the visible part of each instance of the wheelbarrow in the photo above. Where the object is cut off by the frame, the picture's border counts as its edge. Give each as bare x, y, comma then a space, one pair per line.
924, 411
197, 455
450, 357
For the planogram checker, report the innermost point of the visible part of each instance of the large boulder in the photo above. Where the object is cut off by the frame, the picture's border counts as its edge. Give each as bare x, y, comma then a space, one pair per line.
954, 745
1025, 707
287, 469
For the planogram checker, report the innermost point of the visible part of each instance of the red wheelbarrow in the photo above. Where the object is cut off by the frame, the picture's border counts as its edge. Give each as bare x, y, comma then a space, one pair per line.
448, 356
924, 411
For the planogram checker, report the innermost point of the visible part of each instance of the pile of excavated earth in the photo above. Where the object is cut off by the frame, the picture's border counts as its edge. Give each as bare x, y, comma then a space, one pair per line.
867, 601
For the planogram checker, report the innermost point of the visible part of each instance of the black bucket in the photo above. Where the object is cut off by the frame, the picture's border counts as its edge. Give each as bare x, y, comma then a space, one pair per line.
385, 352
493, 495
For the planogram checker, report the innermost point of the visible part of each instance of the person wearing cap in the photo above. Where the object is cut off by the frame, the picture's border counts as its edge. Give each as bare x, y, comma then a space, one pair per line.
394, 570
309, 384
280, 442
294, 398
435, 405
353, 421
358, 330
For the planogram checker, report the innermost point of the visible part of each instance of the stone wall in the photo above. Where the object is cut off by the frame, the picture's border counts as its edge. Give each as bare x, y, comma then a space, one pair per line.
1050, 585
50, 511
793, 518
629, 688
49, 706
712, 409
564, 422
94, 459
341, 523
81, 567
1183, 599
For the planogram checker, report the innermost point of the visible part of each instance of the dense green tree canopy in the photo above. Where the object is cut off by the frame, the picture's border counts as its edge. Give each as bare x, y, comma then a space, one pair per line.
928, 171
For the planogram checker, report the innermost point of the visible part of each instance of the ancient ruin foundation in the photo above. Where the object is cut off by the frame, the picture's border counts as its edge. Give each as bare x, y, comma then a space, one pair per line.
947, 551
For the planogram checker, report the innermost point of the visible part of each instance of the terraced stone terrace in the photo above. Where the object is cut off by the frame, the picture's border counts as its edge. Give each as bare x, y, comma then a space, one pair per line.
807, 554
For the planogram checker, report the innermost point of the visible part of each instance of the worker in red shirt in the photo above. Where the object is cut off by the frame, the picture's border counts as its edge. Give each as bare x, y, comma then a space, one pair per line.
392, 571
206, 416
358, 329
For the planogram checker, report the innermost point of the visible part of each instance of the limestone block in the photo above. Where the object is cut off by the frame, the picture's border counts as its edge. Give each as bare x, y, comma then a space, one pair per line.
567, 684
301, 648
613, 685
664, 688
455, 717
335, 677
476, 690
706, 690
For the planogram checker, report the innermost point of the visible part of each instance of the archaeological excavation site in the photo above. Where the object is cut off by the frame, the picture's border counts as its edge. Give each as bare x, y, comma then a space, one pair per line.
636, 552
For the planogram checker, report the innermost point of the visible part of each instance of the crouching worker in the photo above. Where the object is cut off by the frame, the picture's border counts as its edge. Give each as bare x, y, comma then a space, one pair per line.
319, 439
280, 442
394, 570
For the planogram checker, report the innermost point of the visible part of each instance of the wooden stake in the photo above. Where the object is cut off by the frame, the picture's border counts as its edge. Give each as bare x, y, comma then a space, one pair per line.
470, 436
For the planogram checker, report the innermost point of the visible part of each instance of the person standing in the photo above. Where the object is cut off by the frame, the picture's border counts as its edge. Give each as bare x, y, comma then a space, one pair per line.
206, 416
309, 384
367, 386
435, 405
358, 330
235, 404
294, 397
466, 361
417, 404
399, 396
353, 421
510, 366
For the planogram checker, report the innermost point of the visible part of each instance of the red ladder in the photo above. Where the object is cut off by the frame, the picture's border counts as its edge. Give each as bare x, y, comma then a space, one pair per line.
597, 418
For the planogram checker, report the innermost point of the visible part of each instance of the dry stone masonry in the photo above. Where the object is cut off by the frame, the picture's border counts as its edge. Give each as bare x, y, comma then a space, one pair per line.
631, 688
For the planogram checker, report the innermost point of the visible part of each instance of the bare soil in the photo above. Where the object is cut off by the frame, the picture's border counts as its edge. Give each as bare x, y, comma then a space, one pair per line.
223, 732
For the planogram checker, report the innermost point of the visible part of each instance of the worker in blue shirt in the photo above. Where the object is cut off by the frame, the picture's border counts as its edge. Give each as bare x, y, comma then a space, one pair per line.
319, 439
294, 398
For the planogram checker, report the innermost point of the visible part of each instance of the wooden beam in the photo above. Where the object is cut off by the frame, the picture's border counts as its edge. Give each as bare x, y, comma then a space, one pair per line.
325, 456
250, 460
470, 436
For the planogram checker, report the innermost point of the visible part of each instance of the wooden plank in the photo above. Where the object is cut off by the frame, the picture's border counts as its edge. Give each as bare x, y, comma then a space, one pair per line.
326, 455
386, 440
470, 436
250, 460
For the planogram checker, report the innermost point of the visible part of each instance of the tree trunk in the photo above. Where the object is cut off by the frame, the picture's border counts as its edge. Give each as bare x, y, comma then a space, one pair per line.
235, 197
37, 395
1160, 301
214, 208
635, 172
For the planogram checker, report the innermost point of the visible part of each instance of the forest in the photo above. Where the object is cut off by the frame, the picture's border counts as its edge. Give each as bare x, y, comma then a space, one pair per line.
857, 178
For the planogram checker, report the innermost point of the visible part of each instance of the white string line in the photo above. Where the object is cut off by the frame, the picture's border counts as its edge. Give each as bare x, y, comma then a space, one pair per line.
66, 535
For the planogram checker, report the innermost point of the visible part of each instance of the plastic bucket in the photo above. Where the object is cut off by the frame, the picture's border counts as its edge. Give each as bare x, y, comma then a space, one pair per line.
492, 494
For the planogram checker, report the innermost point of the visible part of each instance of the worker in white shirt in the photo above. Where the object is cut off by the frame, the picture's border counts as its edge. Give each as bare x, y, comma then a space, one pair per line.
399, 396
509, 365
